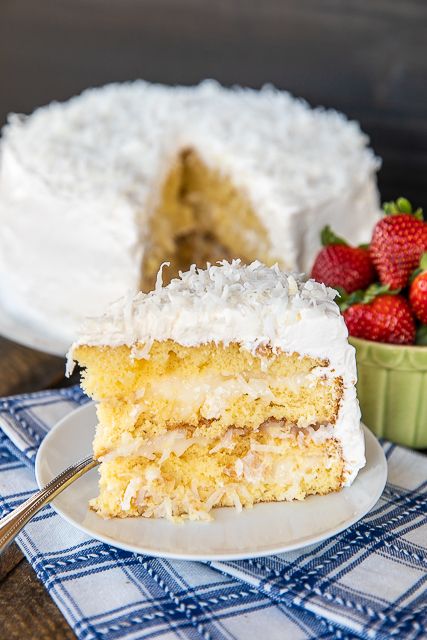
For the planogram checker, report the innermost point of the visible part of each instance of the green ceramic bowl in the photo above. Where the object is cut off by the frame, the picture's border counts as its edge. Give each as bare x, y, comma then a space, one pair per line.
392, 390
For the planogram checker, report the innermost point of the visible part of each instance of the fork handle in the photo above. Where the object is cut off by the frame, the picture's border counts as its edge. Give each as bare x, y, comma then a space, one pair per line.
12, 524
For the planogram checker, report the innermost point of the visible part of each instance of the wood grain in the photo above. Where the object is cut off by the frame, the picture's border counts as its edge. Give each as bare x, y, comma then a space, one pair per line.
9, 559
24, 369
26, 609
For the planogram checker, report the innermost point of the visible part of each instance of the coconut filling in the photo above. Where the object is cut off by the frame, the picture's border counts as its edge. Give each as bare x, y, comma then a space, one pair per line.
177, 441
284, 454
210, 394
263, 462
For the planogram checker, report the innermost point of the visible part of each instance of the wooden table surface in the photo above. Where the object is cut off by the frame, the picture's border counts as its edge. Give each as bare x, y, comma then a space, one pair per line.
26, 609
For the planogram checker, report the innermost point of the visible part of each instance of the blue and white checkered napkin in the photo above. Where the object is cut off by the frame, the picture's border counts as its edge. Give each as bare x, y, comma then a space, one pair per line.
368, 582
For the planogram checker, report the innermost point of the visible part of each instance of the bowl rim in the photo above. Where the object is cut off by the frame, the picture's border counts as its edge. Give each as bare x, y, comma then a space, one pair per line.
386, 346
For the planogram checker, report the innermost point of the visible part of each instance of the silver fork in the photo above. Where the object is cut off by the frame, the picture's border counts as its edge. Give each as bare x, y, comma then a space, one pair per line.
12, 524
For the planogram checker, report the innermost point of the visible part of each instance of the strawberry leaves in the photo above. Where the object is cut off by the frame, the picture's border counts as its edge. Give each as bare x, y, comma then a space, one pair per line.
328, 237
402, 205
364, 296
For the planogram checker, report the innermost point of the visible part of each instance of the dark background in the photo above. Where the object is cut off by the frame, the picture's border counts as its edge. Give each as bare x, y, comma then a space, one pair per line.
367, 58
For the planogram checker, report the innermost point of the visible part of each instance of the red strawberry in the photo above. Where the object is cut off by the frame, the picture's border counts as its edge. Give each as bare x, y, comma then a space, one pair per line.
339, 265
397, 243
418, 291
379, 316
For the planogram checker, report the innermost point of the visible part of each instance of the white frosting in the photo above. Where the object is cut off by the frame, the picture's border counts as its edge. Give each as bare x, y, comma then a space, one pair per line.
253, 305
79, 180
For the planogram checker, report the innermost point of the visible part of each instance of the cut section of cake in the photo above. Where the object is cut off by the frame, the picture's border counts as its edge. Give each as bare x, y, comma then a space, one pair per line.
230, 386
116, 181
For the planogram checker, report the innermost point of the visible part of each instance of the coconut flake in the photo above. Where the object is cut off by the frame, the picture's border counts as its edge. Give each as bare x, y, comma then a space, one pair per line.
130, 492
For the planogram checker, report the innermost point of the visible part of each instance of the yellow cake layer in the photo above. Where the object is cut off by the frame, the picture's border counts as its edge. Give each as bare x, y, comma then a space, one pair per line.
259, 468
114, 372
208, 388
201, 216
155, 415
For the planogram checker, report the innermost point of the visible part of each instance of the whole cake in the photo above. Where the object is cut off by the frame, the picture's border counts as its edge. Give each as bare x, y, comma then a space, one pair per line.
229, 386
96, 192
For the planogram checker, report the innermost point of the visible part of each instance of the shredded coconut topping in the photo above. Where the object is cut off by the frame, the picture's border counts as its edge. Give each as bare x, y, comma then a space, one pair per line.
253, 305
65, 143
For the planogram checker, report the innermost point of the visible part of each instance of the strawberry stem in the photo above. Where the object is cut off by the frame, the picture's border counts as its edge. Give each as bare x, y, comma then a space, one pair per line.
375, 290
327, 237
402, 206
349, 299
423, 262
364, 296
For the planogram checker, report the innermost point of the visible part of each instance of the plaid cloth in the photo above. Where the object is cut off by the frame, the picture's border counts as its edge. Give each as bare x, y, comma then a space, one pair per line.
367, 582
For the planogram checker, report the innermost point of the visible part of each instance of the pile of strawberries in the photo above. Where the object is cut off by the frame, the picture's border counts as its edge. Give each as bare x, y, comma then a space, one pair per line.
383, 285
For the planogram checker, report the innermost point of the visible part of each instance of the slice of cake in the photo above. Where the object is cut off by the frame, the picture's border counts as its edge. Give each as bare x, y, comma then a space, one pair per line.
230, 386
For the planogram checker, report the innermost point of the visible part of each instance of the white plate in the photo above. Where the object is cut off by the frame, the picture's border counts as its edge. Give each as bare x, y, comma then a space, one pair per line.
263, 530
32, 335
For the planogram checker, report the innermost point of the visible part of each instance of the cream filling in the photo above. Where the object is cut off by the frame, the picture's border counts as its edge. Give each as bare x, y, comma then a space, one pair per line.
211, 394
176, 441
253, 468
